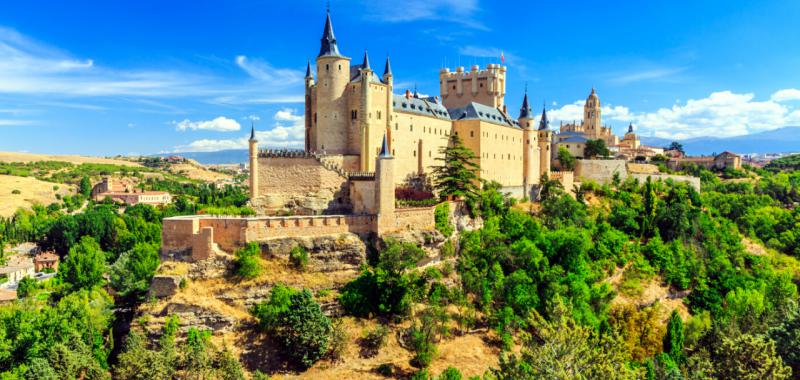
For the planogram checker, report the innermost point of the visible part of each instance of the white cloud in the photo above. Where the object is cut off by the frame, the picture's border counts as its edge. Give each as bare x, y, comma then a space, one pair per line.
282, 135
252, 118
721, 114
15, 123
30, 67
220, 124
456, 11
653, 74
786, 95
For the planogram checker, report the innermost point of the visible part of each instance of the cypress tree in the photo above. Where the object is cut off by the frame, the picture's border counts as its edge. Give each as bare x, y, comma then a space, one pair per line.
458, 174
673, 339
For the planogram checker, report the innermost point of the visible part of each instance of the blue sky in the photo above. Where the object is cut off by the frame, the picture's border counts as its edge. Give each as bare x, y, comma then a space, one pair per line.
106, 77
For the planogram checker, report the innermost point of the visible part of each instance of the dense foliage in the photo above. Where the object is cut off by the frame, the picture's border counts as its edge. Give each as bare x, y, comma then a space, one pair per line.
457, 176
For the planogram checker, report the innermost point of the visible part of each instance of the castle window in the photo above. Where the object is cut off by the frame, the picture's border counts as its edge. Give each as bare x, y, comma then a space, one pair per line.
379, 115
415, 153
396, 126
471, 134
393, 152
429, 153
411, 128
327, 67
481, 85
340, 67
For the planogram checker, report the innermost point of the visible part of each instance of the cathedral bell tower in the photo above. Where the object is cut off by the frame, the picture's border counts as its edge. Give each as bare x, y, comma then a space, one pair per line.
591, 115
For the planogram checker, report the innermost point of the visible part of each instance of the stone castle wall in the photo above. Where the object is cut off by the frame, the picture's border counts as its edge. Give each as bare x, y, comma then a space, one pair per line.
692, 181
302, 184
600, 171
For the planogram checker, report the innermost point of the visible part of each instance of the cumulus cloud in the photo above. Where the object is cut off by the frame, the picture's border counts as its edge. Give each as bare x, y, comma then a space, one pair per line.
786, 95
721, 114
287, 132
220, 124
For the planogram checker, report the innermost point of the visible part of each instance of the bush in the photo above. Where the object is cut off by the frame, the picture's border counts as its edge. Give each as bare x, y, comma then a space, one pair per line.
16, 192
442, 216
339, 338
298, 256
296, 321
25, 287
247, 264
373, 340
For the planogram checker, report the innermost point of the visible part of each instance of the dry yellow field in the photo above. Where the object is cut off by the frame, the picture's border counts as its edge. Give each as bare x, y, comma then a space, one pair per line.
30, 157
198, 172
32, 191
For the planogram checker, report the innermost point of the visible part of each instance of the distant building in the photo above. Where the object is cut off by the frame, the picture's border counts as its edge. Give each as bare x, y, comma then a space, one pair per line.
723, 160
46, 260
16, 269
7, 295
124, 191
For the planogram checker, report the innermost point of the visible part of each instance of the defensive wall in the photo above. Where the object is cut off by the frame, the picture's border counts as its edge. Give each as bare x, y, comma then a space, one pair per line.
201, 234
602, 171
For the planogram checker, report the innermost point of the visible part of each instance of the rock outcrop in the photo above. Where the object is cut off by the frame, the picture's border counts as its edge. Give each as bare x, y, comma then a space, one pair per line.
325, 253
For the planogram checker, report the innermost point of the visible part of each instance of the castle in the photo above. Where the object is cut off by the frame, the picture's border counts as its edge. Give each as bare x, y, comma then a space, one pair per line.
363, 142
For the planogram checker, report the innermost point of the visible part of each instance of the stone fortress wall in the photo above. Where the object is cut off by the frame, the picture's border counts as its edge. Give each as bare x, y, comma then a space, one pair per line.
602, 171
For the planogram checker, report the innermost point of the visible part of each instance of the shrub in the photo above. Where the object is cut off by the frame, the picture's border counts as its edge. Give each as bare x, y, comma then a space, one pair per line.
25, 287
373, 340
296, 321
298, 256
442, 217
16, 191
247, 264
339, 338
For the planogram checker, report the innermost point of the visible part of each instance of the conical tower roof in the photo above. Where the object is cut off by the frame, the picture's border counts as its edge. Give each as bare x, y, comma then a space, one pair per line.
525, 111
544, 124
328, 45
388, 69
365, 65
385, 148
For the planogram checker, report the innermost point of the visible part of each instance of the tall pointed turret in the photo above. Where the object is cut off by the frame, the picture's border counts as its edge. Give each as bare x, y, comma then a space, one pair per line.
544, 124
525, 111
328, 41
630, 128
252, 131
365, 65
308, 70
388, 69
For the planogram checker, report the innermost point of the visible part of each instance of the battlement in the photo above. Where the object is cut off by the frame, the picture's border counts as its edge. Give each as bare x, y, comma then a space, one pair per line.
459, 88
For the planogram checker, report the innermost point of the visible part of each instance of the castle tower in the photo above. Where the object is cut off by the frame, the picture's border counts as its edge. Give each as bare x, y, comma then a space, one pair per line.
545, 143
253, 145
384, 189
365, 131
591, 115
530, 155
310, 136
487, 86
329, 119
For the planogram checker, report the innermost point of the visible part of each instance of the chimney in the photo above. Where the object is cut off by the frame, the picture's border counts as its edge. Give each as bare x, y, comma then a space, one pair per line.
408, 94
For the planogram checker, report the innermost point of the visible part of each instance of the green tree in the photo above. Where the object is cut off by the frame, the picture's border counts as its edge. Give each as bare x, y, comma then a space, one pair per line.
25, 287
566, 159
247, 264
297, 322
132, 272
458, 174
749, 357
787, 340
85, 187
84, 266
562, 349
675, 146
596, 148
673, 339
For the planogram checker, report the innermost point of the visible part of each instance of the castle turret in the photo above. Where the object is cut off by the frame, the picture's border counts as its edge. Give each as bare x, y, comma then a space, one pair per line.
387, 72
530, 155
333, 74
367, 150
545, 143
487, 86
384, 188
253, 146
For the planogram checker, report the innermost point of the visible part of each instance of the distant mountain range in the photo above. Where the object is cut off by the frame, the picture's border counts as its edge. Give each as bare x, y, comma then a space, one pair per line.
781, 140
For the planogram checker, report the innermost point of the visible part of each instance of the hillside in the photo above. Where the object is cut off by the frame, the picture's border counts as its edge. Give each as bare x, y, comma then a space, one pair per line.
781, 140
74, 159
31, 191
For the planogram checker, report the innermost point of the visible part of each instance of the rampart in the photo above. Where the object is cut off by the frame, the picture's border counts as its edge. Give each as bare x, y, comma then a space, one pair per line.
201, 234
692, 181
600, 171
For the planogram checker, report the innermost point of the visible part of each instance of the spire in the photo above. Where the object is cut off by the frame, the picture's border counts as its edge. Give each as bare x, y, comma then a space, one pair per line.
308, 70
416, 95
388, 69
385, 148
630, 128
525, 111
544, 124
252, 131
365, 65
328, 42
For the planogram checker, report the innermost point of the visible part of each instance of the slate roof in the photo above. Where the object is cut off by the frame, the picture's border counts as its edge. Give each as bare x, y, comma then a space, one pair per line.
574, 139
355, 74
525, 111
477, 111
421, 106
328, 45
